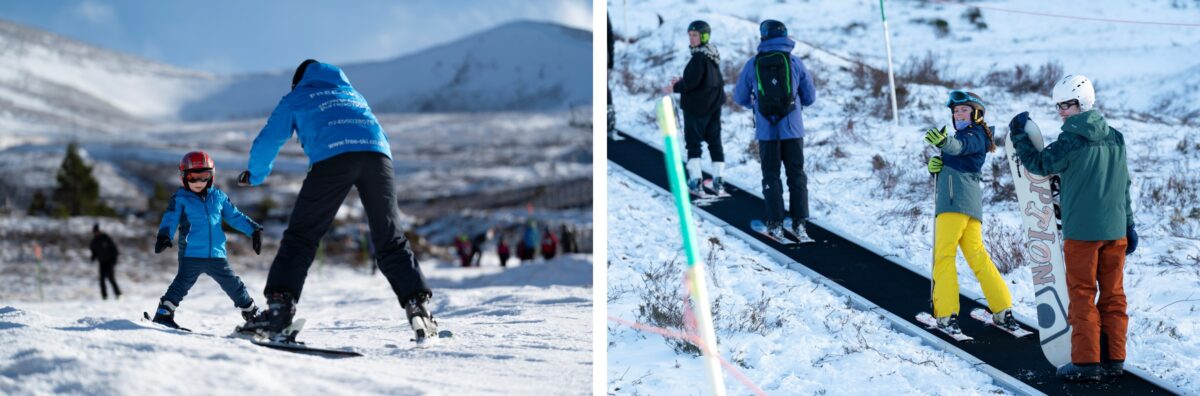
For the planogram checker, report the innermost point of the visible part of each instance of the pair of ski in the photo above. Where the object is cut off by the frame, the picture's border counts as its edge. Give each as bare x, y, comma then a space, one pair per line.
708, 194
979, 314
789, 238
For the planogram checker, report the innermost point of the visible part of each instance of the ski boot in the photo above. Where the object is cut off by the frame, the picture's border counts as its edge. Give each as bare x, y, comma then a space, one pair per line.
1006, 320
249, 312
775, 230
799, 231
949, 324
419, 317
165, 315
1115, 368
695, 188
271, 323
718, 185
1080, 372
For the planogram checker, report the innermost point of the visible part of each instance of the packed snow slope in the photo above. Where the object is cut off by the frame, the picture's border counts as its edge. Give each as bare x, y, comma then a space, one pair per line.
868, 178
526, 329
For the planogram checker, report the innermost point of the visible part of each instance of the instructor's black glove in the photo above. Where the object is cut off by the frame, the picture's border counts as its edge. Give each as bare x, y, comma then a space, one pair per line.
257, 238
1017, 125
1132, 238
244, 179
163, 243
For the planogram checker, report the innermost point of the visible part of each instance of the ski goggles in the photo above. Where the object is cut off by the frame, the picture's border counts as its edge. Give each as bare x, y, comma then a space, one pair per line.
1063, 106
962, 97
198, 176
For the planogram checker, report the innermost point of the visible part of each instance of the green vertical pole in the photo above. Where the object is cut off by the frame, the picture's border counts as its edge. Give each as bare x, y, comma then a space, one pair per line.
695, 270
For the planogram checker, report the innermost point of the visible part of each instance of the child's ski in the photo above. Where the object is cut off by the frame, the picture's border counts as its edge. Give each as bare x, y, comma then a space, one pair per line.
931, 323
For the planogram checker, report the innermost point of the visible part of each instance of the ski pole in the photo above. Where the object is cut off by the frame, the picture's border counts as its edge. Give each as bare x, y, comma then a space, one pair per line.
695, 271
887, 42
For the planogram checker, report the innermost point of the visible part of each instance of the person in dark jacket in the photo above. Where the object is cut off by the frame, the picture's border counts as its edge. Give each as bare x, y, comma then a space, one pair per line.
549, 244
346, 147
477, 243
1097, 224
701, 94
105, 251
197, 211
780, 140
503, 251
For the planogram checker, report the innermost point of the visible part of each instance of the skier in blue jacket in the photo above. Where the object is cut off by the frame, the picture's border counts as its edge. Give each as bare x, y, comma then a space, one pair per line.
197, 210
779, 124
346, 147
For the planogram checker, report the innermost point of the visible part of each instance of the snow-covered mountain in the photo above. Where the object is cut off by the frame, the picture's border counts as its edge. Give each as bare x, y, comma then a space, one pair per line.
516, 66
52, 83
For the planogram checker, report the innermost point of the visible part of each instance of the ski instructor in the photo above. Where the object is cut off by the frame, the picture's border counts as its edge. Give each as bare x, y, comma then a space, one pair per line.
346, 148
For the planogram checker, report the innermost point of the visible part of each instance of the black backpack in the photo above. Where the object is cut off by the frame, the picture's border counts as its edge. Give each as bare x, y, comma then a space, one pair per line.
775, 95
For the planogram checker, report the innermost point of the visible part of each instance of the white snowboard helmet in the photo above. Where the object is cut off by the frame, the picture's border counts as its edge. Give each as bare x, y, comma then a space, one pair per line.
1076, 87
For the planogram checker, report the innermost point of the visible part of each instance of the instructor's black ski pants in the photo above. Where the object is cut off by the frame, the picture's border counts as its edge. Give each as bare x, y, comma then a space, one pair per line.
790, 154
323, 191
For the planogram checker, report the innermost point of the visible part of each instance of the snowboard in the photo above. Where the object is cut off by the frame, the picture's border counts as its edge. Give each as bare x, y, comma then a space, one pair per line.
761, 228
1043, 249
147, 316
931, 323
984, 316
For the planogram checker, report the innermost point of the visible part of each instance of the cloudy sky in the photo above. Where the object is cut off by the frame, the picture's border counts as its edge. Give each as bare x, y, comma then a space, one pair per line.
234, 36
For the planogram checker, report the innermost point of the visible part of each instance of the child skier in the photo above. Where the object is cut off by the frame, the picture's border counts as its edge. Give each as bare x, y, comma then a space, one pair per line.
701, 94
959, 212
197, 210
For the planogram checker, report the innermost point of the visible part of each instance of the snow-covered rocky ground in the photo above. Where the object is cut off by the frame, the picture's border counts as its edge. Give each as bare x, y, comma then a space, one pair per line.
867, 177
526, 329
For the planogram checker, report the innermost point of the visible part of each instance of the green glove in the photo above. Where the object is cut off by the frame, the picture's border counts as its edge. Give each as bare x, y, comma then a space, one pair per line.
936, 137
935, 164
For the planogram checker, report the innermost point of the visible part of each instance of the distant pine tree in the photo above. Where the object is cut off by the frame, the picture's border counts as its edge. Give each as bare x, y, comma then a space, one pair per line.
157, 203
78, 192
38, 206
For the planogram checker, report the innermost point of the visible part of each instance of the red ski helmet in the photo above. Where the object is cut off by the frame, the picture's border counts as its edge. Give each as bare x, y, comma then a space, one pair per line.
196, 162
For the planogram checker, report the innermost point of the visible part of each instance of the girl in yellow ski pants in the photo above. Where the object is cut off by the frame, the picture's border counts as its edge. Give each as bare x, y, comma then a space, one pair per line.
957, 230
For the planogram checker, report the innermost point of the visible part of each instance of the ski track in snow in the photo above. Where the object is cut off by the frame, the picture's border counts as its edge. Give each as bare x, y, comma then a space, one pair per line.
525, 329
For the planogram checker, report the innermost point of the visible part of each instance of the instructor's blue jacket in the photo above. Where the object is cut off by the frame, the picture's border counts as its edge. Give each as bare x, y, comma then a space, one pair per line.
198, 220
328, 115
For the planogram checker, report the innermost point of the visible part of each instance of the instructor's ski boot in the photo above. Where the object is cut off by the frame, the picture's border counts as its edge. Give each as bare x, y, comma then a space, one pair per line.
1080, 373
949, 324
271, 323
419, 317
1006, 320
165, 314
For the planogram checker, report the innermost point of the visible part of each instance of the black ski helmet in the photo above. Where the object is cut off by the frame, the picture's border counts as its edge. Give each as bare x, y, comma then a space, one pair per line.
702, 28
300, 72
771, 28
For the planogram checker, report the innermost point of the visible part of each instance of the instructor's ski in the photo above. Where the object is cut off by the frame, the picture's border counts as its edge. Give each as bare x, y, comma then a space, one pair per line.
287, 342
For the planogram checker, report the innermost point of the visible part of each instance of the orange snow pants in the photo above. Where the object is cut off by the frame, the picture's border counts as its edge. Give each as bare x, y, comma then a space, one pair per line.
1096, 266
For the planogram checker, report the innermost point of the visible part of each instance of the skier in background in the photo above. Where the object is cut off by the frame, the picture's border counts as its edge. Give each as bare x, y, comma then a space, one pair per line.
527, 247
701, 94
549, 244
502, 251
105, 251
1097, 224
462, 247
779, 123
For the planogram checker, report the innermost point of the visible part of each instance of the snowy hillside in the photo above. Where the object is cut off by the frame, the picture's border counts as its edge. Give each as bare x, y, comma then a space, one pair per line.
868, 178
516, 66
50, 83
527, 329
